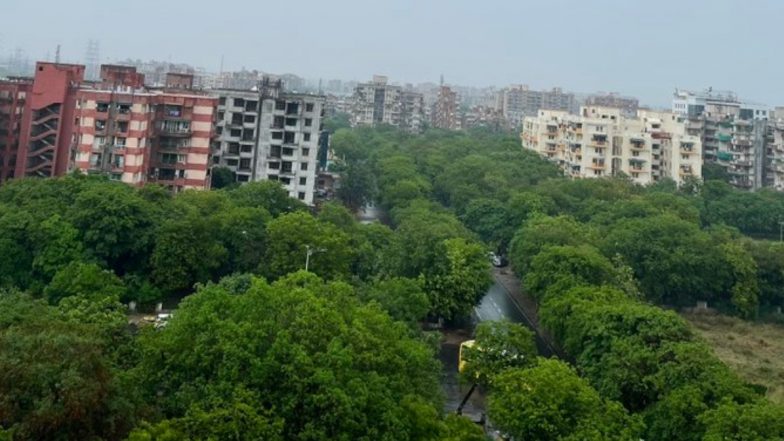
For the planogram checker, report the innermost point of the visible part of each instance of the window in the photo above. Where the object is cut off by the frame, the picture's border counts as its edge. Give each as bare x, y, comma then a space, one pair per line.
100, 124
277, 135
308, 122
247, 134
119, 161
95, 159
292, 108
232, 162
288, 137
303, 166
249, 119
245, 164
288, 151
122, 126
221, 115
251, 106
305, 152
234, 148
272, 177
303, 181
246, 148
285, 181
222, 101
306, 137
277, 122
235, 133
120, 142
287, 167
243, 178
280, 105
239, 102
291, 121
275, 151
236, 119
274, 165
102, 107
219, 131
301, 196
309, 107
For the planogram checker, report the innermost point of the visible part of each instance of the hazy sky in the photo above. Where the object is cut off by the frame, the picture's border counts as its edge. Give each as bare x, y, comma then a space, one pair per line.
635, 47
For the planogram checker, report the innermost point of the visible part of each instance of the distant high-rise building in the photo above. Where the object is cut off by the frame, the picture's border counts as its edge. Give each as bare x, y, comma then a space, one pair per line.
378, 103
600, 141
628, 105
517, 102
737, 135
270, 134
446, 110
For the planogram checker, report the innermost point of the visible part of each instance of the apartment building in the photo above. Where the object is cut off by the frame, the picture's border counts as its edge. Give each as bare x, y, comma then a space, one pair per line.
519, 101
269, 134
600, 141
379, 103
628, 105
446, 110
14, 93
737, 135
140, 135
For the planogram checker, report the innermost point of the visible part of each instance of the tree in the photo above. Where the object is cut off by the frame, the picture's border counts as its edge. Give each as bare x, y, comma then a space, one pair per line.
498, 346
744, 294
186, 252
288, 239
458, 279
269, 195
85, 279
222, 177
563, 267
541, 232
748, 422
550, 402
306, 351
56, 382
115, 224
403, 298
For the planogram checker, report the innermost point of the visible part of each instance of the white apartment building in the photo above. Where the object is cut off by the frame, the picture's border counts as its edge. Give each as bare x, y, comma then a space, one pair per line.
519, 101
740, 136
600, 141
268, 134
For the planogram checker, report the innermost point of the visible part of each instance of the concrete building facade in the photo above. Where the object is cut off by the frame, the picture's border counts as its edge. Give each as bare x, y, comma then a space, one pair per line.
600, 142
269, 134
518, 102
741, 137
140, 135
14, 93
446, 110
628, 105
379, 103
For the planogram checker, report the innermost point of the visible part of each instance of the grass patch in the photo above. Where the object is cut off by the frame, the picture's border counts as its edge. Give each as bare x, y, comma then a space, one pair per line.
754, 350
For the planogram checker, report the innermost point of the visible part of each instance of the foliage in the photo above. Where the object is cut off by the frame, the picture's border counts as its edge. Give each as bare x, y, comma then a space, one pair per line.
498, 346
550, 402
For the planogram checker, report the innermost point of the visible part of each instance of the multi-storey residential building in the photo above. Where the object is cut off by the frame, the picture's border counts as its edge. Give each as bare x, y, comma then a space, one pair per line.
47, 129
519, 101
735, 134
446, 110
485, 117
269, 134
13, 95
378, 103
139, 135
600, 141
628, 105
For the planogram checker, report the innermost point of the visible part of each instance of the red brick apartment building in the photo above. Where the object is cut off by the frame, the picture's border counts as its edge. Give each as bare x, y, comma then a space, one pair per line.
116, 126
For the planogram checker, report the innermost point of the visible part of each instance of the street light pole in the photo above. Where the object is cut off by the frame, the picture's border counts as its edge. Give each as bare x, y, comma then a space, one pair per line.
308, 253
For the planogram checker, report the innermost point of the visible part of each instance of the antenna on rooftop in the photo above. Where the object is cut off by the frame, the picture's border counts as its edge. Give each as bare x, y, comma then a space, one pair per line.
57, 55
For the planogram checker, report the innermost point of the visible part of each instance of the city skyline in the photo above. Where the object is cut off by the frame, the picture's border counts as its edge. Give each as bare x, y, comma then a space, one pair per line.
602, 46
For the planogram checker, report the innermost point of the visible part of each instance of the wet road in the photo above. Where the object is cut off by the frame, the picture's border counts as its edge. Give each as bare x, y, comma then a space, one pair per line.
498, 305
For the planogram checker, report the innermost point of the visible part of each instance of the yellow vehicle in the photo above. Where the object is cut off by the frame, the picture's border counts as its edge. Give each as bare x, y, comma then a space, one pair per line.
461, 363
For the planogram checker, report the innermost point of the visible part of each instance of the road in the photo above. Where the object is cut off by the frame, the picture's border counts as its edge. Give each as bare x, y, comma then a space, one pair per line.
497, 304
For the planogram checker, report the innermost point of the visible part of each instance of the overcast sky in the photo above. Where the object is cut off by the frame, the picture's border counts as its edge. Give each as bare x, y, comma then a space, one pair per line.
635, 47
